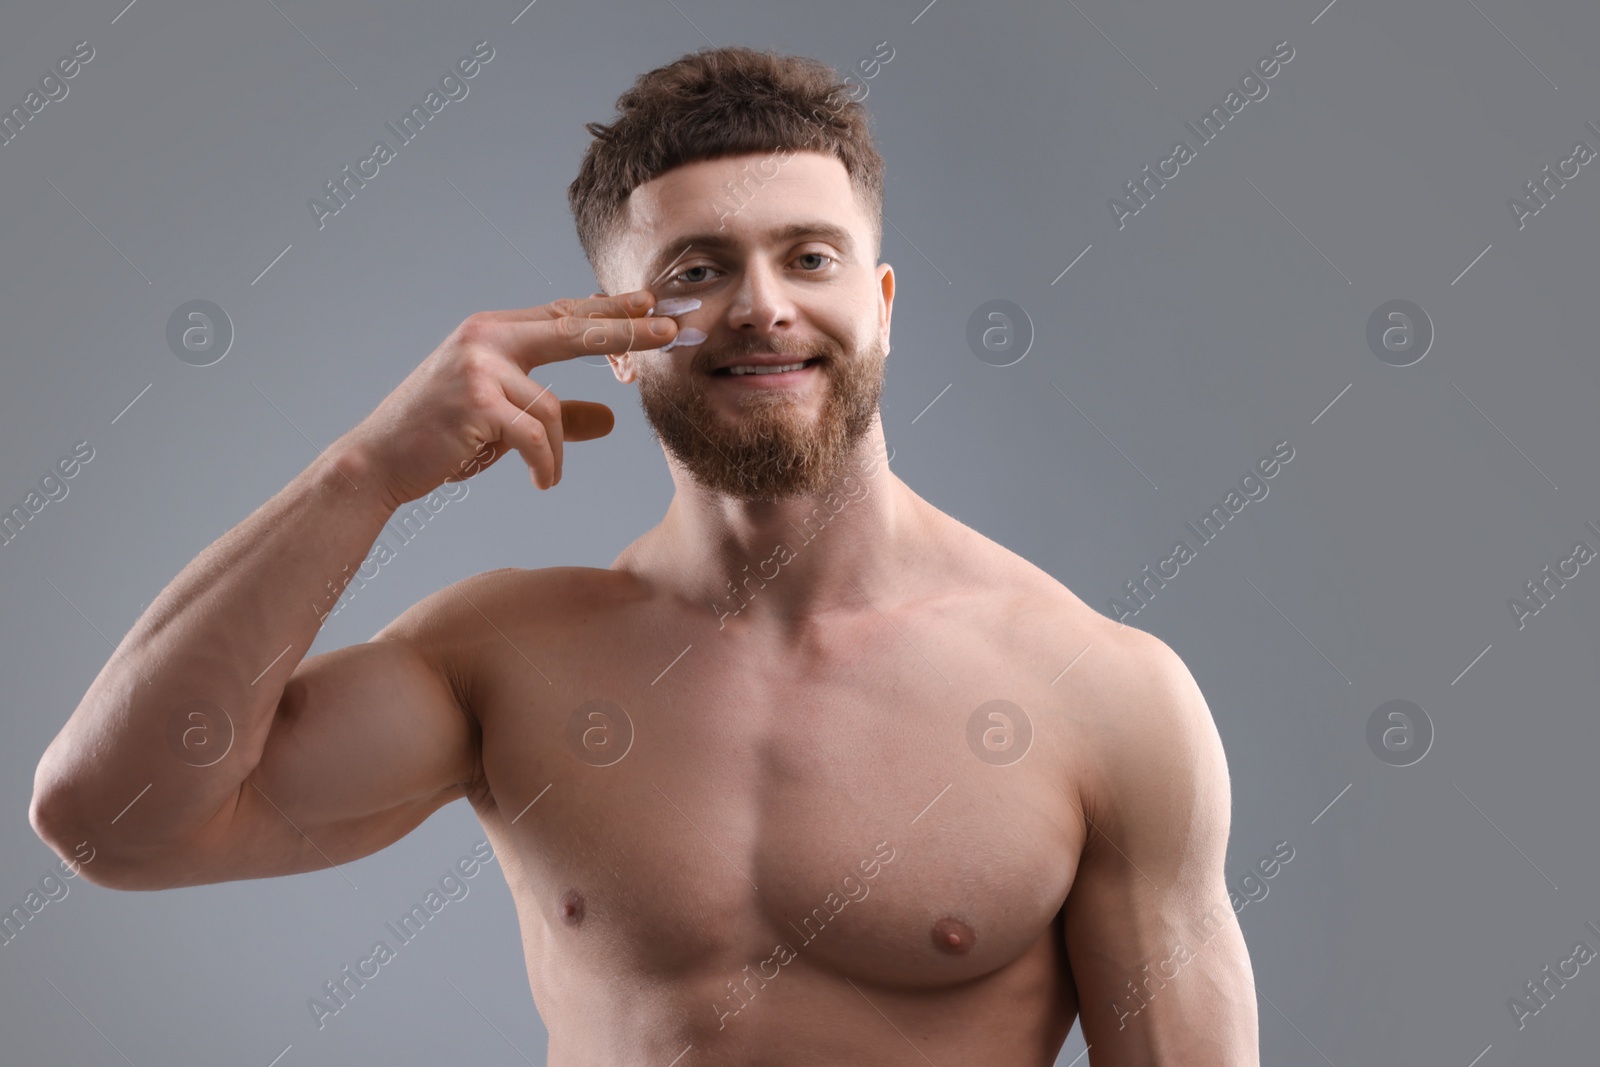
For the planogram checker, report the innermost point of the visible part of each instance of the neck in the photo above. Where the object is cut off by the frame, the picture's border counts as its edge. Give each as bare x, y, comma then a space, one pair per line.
789, 561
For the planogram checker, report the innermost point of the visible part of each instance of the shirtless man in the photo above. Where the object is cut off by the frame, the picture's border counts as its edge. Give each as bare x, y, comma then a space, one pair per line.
802, 777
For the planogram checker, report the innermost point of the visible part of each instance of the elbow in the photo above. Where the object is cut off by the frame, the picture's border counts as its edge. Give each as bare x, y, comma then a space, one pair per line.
54, 814
50, 813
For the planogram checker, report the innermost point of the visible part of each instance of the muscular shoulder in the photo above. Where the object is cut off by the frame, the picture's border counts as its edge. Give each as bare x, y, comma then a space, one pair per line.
1150, 742
1042, 618
1048, 615
468, 627
464, 609
1160, 773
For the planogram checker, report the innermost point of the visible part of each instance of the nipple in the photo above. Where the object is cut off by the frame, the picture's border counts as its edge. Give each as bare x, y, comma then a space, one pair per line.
687, 335
953, 936
571, 907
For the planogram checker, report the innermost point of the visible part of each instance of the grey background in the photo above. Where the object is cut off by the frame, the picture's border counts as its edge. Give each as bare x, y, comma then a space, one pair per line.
1175, 353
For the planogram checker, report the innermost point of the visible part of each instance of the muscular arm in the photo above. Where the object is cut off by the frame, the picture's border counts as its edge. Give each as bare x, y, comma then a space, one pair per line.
368, 741
1162, 970
330, 759
321, 761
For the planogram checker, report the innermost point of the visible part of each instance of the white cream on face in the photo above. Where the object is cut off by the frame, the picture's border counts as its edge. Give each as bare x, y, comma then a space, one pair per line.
675, 305
688, 336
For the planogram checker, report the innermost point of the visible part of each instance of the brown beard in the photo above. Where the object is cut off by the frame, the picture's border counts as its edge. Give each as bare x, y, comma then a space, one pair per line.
772, 452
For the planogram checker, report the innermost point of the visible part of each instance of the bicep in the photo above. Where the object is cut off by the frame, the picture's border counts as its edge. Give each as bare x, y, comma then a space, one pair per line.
368, 741
1161, 967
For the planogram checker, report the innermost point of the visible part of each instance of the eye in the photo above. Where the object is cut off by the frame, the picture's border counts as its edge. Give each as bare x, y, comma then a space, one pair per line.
681, 278
692, 281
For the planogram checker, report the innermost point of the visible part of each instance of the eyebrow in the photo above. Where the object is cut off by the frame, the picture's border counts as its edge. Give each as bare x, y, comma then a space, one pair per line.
718, 240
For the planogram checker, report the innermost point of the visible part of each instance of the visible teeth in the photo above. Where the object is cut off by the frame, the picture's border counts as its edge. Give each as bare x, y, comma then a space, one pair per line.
764, 370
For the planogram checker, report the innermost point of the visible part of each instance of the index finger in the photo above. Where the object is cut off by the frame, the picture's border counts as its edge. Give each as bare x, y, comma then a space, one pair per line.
566, 329
632, 304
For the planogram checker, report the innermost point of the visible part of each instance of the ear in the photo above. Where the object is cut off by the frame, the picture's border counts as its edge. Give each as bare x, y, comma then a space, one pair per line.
885, 303
624, 367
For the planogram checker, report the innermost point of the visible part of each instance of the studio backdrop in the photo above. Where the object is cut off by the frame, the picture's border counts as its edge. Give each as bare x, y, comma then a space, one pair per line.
1135, 274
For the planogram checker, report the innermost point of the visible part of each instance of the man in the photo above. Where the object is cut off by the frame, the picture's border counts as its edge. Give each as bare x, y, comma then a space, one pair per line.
803, 776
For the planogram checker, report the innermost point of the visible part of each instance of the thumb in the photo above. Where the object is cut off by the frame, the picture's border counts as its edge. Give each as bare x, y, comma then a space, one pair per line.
584, 420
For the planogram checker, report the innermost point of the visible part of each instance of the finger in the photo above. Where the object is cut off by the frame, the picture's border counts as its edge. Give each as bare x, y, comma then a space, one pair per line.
534, 344
580, 420
566, 329
537, 420
531, 440
584, 420
633, 303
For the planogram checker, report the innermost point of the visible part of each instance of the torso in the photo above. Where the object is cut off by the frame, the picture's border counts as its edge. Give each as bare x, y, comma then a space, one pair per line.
798, 858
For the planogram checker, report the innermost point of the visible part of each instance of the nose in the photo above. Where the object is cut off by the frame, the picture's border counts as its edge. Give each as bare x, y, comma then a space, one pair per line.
761, 304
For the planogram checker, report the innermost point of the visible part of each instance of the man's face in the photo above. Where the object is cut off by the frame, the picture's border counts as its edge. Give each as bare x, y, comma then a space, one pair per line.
813, 294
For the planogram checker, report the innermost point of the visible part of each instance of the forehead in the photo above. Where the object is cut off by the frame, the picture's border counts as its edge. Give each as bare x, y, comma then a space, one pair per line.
744, 198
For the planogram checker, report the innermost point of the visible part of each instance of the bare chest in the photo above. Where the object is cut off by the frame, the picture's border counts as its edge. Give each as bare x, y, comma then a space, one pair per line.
892, 804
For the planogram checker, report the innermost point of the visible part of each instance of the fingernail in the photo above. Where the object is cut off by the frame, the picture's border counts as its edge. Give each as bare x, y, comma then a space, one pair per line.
639, 299
660, 328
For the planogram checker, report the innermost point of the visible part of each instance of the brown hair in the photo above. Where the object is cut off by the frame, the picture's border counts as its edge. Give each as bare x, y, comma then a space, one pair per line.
719, 102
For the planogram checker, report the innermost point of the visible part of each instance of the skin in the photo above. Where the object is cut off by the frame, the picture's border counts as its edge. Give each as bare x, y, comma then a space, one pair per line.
775, 844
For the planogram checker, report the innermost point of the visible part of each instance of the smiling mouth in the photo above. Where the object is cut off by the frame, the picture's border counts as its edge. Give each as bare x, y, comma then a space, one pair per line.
786, 370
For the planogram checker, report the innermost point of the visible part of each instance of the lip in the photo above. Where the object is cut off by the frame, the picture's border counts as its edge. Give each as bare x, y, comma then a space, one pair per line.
787, 377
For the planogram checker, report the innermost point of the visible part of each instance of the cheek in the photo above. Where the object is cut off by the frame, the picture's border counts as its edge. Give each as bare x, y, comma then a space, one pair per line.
665, 370
872, 344
845, 334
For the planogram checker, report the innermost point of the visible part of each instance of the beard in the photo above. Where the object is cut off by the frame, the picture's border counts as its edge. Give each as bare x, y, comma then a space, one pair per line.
774, 450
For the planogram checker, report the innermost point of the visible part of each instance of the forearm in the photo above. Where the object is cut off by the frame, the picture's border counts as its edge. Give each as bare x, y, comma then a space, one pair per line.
179, 715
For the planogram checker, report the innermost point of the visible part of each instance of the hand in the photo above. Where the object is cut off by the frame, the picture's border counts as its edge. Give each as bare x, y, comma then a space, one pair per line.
471, 401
